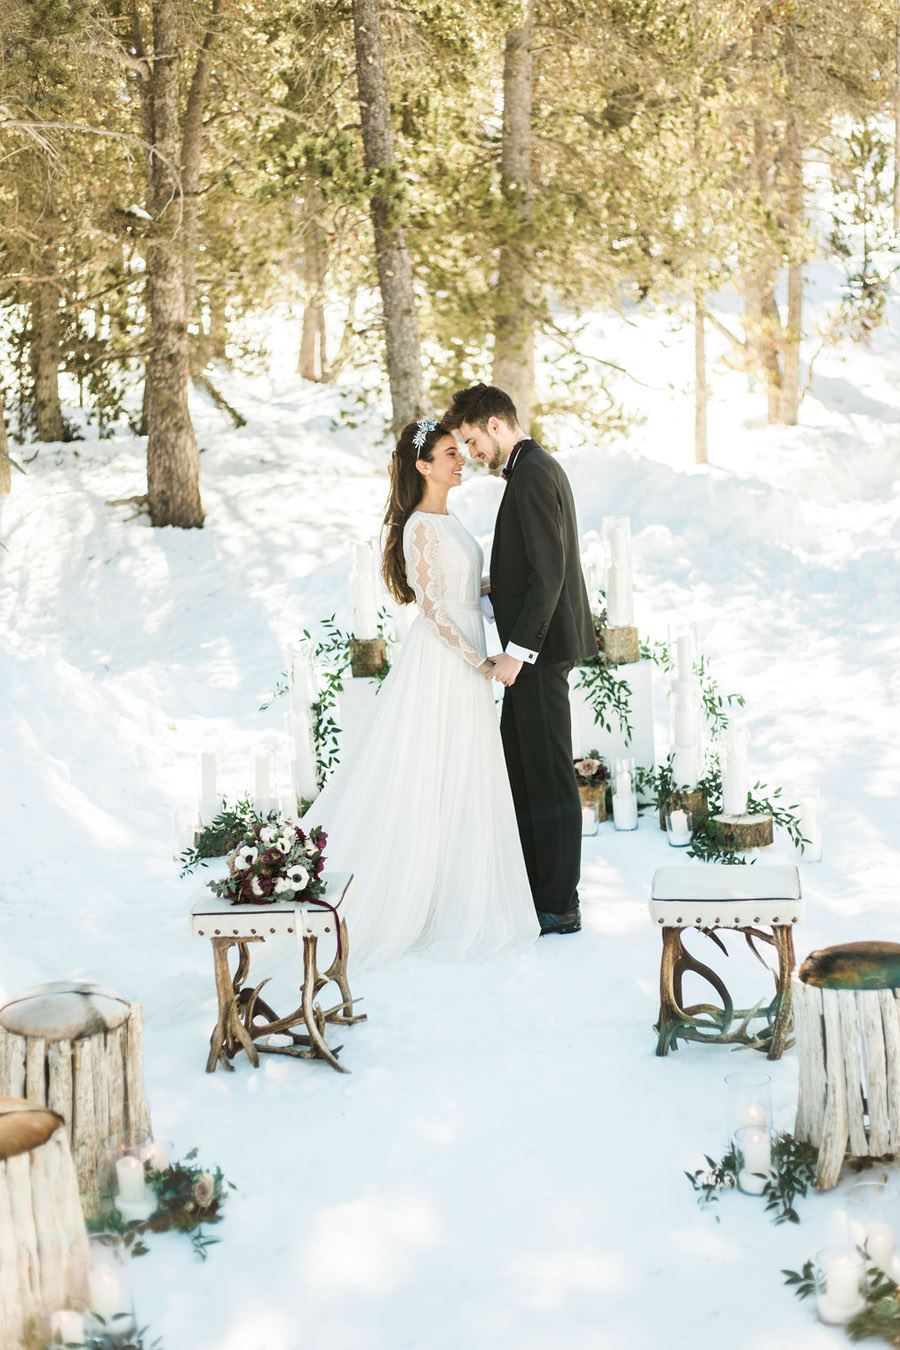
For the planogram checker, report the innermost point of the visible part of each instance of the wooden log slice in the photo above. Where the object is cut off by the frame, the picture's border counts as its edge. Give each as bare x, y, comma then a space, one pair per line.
742, 832
621, 646
367, 657
693, 801
594, 796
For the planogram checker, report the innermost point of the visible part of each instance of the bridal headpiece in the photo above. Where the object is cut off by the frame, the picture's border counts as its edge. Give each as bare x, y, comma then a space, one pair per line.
423, 426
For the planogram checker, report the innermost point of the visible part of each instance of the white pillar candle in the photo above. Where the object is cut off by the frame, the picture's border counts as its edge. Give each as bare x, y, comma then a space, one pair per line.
686, 765
304, 762
679, 829
107, 1294
756, 1159
303, 674
68, 1325
841, 1273
186, 821
735, 773
363, 593
880, 1245
685, 713
588, 820
754, 1115
684, 660
625, 812
263, 798
619, 589
130, 1176
209, 797
810, 827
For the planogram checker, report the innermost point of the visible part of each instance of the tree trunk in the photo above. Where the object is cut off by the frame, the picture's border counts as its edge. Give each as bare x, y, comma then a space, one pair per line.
395, 279
5, 466
514, 317
793, 216
191, 153
897, 125
701, 450
173, 460
313, 362
45, 357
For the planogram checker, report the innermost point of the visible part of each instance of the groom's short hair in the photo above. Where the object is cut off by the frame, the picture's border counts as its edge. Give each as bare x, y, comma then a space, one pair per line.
477, 404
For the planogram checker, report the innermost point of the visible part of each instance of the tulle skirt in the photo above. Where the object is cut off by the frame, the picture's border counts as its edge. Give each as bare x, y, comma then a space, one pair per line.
420, 811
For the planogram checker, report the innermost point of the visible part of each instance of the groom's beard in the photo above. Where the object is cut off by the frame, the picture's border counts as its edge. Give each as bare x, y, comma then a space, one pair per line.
494, 460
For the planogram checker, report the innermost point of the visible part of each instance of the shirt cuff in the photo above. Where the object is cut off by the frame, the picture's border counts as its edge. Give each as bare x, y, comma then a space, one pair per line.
521, 653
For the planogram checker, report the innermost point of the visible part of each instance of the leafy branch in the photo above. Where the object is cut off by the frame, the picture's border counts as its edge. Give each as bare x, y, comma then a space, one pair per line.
793, 1172
224, 832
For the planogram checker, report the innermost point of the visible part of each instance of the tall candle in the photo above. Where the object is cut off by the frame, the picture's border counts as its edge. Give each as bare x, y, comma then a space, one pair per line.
304, 762
303, 674
684, 647
841, 1273
625, 812
130, 1176
262, 778
363, 594
756, 1150
209, 798
686, 765
735, 773
588, 820
880, 1244
619, 589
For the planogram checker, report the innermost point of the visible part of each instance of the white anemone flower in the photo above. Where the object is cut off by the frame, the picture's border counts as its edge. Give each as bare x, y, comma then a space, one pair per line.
255, 887
298, 877
285, 843
282, 885
268, 834
246, 857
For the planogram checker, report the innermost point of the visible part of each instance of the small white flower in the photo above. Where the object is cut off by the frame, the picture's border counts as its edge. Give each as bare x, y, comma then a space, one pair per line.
246, 857
268, 834
310, 850
298, 877
282, 885
255, 887
286, 843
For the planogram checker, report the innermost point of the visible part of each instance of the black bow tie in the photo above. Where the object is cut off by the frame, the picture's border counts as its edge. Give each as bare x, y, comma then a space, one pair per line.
507, 469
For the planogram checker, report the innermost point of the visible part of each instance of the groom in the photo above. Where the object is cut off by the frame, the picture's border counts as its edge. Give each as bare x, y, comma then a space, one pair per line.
544, 620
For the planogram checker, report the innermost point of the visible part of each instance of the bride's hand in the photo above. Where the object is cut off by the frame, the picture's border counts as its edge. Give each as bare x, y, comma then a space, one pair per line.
487, 668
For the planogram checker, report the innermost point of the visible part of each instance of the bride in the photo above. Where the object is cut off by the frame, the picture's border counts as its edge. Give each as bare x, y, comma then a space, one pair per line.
421, 811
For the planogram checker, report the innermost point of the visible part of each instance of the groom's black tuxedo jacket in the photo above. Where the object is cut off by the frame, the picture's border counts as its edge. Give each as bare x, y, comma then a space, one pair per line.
537, 586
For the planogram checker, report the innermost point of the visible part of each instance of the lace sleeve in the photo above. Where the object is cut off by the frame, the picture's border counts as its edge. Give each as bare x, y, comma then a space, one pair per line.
423, 569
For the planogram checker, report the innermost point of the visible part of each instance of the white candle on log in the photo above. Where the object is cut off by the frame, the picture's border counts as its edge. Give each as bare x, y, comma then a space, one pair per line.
304, 762
363, 593
209, 797
68, 1326
263, 798
619, 589
686, 765
130, 1176
735, 773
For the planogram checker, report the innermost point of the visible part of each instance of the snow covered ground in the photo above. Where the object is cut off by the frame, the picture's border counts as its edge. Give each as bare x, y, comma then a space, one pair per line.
504, 1166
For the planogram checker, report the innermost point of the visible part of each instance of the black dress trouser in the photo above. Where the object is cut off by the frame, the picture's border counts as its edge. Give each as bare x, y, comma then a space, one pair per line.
536, 728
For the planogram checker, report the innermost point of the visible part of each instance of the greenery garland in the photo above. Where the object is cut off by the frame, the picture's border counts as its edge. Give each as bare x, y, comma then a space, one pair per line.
793, 1172
224, 832
187, 1198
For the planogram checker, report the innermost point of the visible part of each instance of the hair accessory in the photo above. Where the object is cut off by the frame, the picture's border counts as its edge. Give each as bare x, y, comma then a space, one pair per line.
423, 426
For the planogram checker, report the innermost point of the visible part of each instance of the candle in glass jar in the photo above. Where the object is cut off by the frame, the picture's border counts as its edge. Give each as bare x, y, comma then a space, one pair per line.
755, 1149
588, 820
106, 1293
754, 1115
130, 1176
625, 812
880, 1245
841, 1272
158, 1155
679, 830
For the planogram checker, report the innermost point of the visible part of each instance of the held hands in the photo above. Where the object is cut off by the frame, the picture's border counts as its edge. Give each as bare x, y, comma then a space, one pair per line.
506, 669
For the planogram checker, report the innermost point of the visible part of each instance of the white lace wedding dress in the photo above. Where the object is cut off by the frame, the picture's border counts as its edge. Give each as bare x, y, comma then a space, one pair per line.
421, 810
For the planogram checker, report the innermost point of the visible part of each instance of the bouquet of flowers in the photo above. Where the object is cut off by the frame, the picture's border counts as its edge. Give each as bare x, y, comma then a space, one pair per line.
275, 860
591, 771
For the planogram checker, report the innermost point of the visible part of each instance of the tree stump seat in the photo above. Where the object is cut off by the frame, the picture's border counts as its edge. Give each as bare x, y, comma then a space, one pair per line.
245, 1020
763, 902
44, 1253
78, 1050
847, 1016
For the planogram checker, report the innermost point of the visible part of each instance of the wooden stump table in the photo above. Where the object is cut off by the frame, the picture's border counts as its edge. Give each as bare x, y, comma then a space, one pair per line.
44, 1252
78, 1049
763, 902
245, 1020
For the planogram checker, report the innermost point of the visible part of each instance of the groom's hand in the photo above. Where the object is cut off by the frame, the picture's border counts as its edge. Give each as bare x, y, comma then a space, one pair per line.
506, 669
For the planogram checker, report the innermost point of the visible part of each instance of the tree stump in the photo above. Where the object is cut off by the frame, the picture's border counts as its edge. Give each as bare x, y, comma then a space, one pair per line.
367, 657
594, 796
621, 646
44, 1254
743, 832
848, 1045
693, 801
78, 1050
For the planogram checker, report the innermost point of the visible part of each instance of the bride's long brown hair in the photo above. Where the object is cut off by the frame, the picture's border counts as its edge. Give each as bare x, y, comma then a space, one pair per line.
406, 493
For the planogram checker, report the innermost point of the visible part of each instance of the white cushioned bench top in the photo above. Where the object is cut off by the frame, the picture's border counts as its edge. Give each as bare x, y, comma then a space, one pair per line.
719, 894
213, 917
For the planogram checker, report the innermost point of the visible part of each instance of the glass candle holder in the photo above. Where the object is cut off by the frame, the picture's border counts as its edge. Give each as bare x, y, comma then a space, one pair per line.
840, 1280
624, 796
68, 1326
109, 1302
589, 818
870, 1224
749, 1096
753, 1158
679, 827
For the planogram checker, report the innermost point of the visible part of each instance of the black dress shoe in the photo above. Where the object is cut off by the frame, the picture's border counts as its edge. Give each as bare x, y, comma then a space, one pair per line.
569, 922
